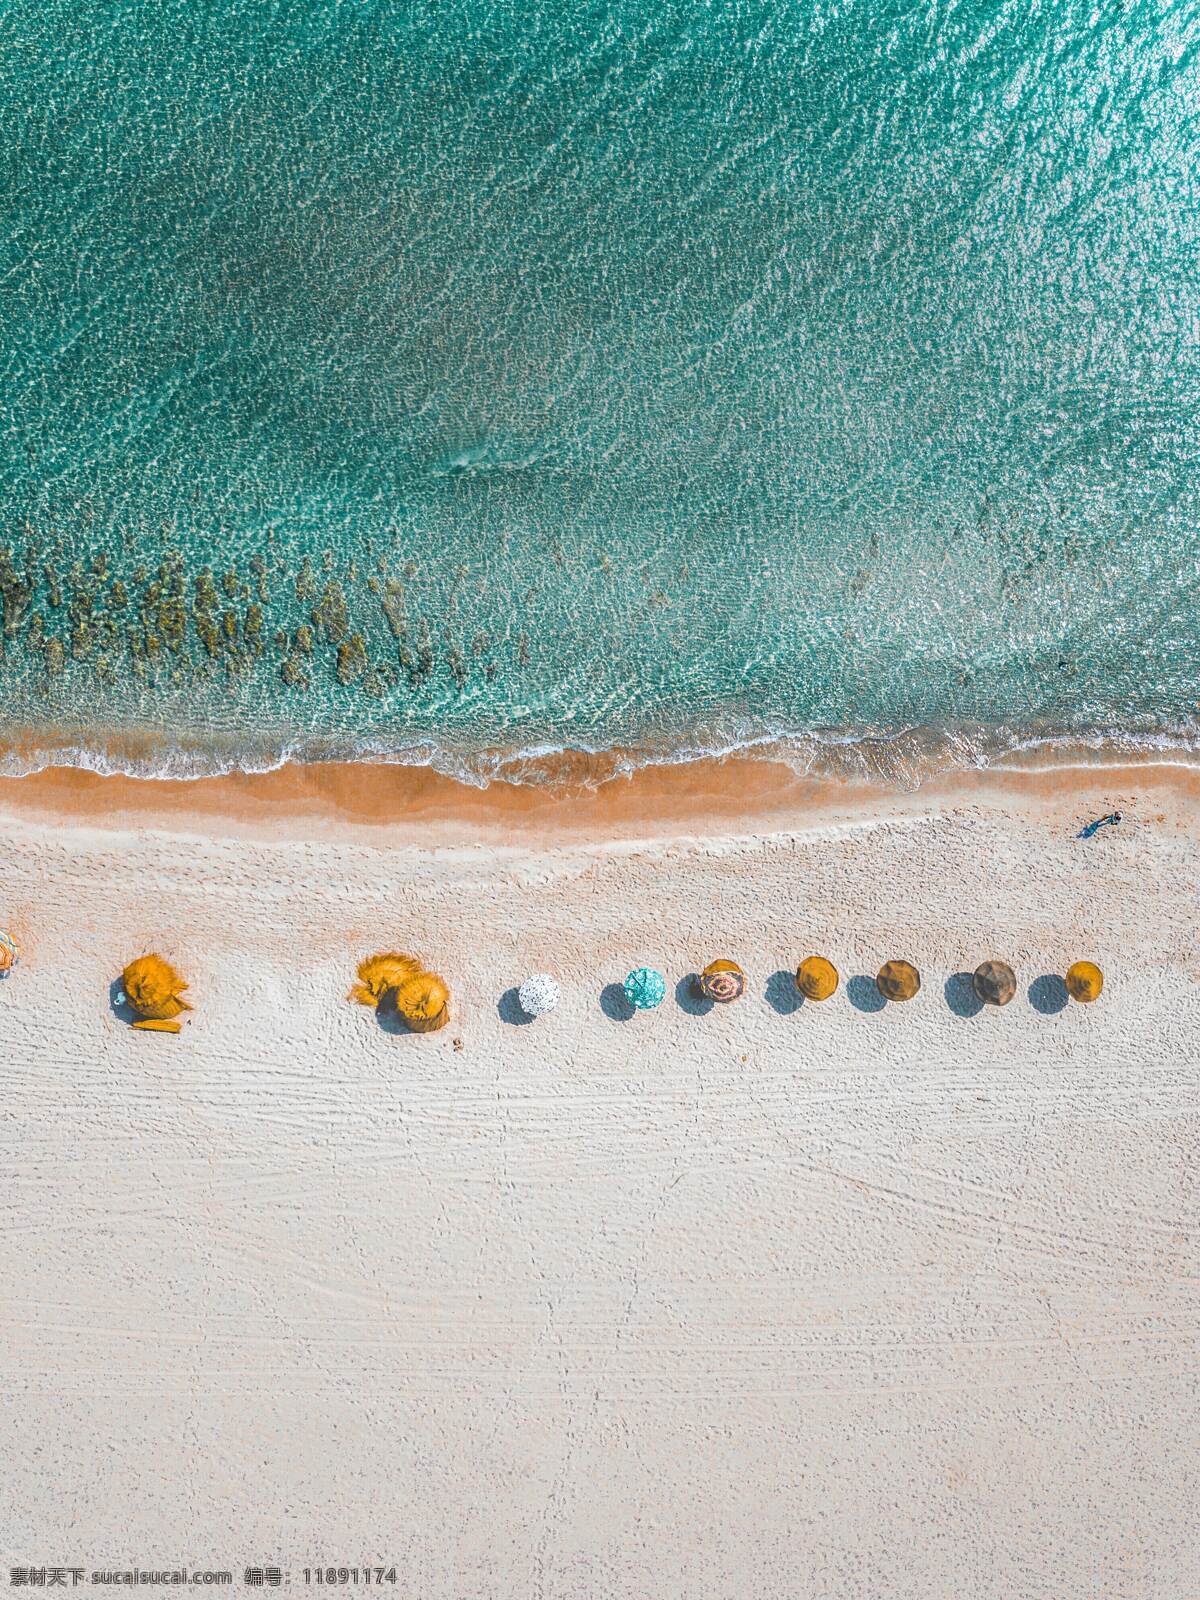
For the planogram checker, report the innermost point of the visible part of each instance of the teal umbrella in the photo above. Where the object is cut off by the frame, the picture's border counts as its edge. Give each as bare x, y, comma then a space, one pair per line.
645, 988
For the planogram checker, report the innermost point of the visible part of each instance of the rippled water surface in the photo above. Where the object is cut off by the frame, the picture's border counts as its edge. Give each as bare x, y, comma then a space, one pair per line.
434, 380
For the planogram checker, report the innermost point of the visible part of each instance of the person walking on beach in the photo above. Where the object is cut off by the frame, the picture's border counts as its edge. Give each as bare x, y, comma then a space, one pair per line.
1110, 820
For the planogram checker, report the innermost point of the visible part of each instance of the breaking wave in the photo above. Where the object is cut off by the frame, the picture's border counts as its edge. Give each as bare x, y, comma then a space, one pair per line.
898, 759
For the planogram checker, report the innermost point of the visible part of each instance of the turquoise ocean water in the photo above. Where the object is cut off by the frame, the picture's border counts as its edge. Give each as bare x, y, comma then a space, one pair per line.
452, 382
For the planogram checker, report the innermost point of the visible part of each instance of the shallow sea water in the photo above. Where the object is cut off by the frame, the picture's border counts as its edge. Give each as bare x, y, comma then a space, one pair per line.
454, 382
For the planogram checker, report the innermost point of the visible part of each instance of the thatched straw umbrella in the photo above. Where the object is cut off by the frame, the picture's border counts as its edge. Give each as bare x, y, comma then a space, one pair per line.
722, 981
424, 1002
1084, 981
401, 981
154, 989
645, 988
538, 995
378, 974
995, 982
10, 954
898, 980
816, 978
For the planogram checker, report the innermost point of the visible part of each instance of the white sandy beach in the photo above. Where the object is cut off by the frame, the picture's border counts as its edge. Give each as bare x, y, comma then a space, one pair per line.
771, 1302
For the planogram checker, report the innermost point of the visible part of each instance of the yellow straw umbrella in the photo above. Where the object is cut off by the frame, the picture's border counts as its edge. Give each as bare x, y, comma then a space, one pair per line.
378, 974
401, 981
424, 1002
898, 980
816, 978
1084, 981
155, 991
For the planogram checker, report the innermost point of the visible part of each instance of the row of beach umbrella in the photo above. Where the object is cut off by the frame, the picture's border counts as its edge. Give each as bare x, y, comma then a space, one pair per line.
404, 986
817, 978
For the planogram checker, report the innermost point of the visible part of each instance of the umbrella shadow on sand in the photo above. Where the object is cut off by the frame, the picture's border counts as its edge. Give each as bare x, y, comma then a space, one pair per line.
388, 1016
688, 997
510, 1008
863, 994
1048, 994
614, 1003
782, 994
119, 1003
960, 995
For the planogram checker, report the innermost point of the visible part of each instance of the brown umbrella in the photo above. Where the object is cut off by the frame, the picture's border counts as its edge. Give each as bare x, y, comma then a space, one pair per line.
1084, 981
898, 980
995, 982
722, 981
816, 978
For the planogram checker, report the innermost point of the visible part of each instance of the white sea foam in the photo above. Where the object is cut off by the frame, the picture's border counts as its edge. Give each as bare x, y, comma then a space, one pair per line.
901, 759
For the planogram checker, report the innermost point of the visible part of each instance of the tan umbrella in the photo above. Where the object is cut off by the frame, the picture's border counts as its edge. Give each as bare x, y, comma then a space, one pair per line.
1084, 981
722, 981
995, 982
898, 980
816, 978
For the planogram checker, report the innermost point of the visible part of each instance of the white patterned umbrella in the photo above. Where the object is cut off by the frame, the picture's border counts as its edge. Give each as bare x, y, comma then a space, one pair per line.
538, 995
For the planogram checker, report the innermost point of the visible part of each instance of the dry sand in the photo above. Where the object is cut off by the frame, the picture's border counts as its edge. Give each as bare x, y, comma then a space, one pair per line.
774, 1301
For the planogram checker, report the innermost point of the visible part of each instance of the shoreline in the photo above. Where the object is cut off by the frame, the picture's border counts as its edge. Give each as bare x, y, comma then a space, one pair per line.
900, 759
401, 806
